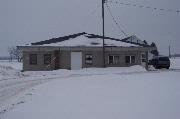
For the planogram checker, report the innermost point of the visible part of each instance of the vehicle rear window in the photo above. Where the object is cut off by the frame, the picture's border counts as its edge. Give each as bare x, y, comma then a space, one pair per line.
164, 58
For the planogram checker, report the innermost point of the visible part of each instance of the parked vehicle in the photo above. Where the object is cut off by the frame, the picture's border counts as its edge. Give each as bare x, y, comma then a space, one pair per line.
160, 62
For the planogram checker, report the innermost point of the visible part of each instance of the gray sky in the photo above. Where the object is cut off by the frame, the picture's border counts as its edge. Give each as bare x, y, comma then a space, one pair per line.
26, 21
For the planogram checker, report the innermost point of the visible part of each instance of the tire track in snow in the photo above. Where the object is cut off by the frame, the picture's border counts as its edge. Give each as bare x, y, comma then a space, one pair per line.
10, 88
8, 91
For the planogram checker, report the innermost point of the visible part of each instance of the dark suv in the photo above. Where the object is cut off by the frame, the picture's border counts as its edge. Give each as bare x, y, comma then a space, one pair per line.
160, 62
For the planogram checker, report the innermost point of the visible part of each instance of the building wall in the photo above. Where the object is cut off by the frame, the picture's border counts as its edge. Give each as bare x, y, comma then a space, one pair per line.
97, 59
65, 56
65, 60
122, 56
40, 61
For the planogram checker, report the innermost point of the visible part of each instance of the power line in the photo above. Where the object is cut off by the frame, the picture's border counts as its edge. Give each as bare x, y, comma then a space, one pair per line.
95, 10
103, 31
91, 14
143, 6
113, 18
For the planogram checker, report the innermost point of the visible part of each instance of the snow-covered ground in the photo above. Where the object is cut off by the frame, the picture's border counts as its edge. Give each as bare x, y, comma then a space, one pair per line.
175, 63
128, 93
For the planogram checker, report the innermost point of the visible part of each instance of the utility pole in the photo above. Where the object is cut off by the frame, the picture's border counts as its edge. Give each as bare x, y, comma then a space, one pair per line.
103, 1
169, 51
147, 67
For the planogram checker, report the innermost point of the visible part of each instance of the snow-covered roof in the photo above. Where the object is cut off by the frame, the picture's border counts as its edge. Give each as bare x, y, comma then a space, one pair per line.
89, 40
85, 41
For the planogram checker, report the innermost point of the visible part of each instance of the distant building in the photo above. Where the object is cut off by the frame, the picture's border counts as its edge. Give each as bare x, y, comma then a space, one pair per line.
83, 50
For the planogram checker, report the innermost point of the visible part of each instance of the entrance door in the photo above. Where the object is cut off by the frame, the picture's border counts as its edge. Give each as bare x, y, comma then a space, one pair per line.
76, 60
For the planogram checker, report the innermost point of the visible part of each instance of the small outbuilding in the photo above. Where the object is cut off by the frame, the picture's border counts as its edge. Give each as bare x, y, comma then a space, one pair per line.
83, 50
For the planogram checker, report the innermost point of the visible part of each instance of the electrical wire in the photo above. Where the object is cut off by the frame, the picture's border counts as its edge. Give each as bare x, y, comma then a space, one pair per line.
113, 18
142, 6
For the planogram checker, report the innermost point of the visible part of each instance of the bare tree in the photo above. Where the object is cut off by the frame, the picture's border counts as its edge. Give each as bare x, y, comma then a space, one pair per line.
15, 53
10, 51
19, 55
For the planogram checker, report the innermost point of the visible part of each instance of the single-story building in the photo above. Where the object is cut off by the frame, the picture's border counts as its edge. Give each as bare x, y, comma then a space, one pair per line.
83, 50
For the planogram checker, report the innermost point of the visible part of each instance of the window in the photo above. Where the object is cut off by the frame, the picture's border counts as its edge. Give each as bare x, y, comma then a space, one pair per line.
130, 59
127, 59
143, 57
113, 59
89, 59
110, 59
33, 59
47, 59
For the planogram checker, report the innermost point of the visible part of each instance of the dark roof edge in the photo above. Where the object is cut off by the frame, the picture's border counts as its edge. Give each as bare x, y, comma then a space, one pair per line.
55, 40
122, 40
67, 37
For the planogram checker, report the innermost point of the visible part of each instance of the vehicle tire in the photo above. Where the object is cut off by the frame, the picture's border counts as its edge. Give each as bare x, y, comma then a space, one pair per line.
167, 67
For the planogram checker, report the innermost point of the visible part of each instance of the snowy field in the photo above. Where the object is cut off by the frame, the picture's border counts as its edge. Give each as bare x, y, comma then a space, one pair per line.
94, 93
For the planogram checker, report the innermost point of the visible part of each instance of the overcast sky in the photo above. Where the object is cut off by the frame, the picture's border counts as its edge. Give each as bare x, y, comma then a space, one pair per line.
26, 21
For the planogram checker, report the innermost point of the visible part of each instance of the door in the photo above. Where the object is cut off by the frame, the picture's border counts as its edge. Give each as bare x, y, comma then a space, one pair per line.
76, 60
